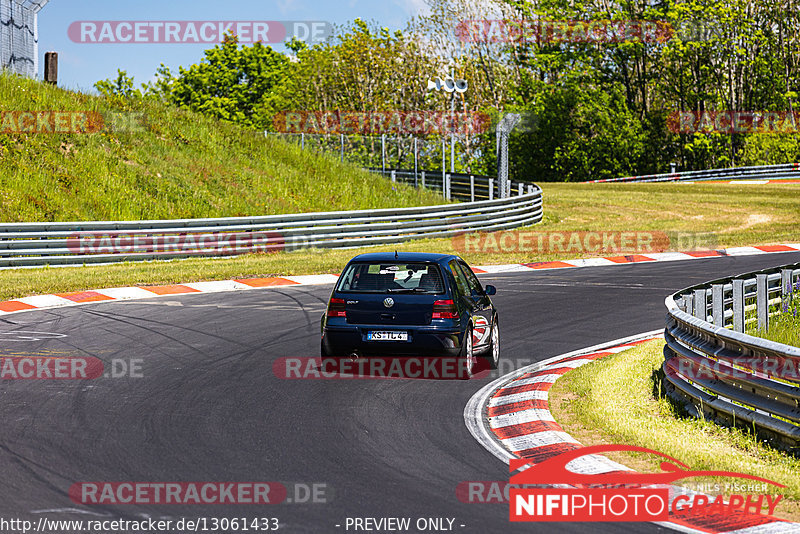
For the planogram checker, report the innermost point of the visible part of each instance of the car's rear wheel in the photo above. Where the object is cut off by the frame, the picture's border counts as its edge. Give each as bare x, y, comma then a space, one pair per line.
467, 355
493, 354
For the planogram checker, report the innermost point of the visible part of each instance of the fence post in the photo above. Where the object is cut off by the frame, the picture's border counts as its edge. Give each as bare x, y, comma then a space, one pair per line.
423, 179
50, 65
762, 301
447, 186
717, 305
341, 137
452, 153
738, 305
302, 141
394, 178
700, 304
471, 188
688, 303
491, 189
444, 161
786, 289
383, 154
416, 156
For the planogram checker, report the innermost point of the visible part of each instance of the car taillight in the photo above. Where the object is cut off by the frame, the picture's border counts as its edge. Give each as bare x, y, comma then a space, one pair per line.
444, 309
336, 308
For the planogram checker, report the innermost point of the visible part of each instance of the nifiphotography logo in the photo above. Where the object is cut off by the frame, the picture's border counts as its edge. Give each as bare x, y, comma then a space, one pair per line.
620, 496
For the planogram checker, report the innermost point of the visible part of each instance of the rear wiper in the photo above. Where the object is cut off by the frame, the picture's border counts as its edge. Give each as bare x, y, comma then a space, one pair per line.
408, 289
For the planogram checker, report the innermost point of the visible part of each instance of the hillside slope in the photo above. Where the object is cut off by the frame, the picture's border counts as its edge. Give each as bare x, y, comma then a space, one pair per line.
144, 160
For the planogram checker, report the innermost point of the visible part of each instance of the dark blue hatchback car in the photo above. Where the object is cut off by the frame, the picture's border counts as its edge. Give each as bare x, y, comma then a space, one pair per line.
411, 304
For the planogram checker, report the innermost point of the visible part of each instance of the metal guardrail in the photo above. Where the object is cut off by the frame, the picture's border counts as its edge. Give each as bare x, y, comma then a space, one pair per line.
77, 243
459, 186
771, 172
720, 372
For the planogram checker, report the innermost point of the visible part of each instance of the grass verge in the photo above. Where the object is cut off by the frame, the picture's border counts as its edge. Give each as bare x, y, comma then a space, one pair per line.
174, 164
612, 401
783, 328
568, 208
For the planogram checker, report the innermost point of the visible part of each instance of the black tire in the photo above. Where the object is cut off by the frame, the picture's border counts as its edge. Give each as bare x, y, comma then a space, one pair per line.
466, 359
492, 355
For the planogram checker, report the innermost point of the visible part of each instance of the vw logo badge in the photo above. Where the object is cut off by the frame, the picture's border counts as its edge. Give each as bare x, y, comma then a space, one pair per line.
388, 302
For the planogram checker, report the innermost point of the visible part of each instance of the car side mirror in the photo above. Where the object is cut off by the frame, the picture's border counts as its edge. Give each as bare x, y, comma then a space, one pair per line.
490, 290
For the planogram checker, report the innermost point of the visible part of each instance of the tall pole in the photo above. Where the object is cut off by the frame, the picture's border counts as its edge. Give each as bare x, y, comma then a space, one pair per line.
444, 163
415, 162
452, 127
504, 127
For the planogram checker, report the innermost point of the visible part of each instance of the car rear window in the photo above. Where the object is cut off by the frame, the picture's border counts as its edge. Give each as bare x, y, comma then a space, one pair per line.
424, 278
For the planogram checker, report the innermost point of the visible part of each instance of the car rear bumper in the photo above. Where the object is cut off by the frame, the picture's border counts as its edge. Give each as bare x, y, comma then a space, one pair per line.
344, 340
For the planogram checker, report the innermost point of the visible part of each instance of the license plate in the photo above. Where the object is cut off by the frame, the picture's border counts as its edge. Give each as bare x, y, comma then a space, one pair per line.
387, 335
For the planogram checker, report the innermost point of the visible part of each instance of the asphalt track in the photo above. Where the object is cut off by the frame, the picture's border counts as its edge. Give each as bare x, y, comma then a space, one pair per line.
207, 406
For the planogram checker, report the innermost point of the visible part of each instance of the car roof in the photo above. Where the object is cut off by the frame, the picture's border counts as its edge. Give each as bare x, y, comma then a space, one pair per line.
405, 256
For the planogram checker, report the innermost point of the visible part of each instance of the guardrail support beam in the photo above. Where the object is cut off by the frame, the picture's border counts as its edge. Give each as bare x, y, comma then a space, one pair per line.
786, 289
717, 305
762, 301
700, 304
471, 188
738, 305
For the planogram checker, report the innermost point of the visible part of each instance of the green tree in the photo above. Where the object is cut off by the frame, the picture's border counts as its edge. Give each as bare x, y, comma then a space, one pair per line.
120, 87
229, 83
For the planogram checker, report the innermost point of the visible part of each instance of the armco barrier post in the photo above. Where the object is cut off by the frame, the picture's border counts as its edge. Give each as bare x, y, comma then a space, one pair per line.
762, 301
471, 188
423, 179
786, 289
341, 140
452, 153
447, 186
717, 305
700, 304
416, 156
491, 189
738, 305
394, 177
383, 154
444, 162
530, 189
519, 191
688, 303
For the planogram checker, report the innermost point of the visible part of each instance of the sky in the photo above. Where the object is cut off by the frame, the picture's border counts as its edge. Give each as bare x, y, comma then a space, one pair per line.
80, 65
